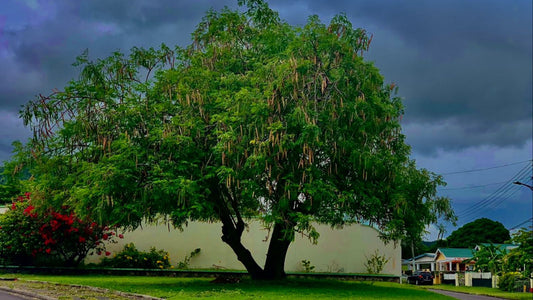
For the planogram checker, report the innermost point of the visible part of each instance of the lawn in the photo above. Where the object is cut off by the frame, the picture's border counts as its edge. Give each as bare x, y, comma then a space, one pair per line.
186, 288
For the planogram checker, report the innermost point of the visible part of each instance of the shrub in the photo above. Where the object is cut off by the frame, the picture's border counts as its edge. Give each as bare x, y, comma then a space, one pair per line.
507, 281
185, 263
131, 257
306, 265
376, 263
52, 237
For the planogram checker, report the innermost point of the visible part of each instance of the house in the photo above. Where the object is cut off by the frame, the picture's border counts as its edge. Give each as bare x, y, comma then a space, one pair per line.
424, 261
453, 259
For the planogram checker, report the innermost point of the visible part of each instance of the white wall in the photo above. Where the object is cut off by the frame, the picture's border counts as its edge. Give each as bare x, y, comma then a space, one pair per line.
343, 250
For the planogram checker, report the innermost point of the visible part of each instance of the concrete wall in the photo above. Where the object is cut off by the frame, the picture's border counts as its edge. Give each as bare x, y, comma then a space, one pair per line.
345, 250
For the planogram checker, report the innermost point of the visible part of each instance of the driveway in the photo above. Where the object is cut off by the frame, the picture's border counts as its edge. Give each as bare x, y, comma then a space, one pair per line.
463, 296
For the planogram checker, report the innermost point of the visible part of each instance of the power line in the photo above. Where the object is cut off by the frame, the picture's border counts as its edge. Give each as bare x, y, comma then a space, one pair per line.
501, 192
516, 226
492, 201
502, 189
490, 168
473, 187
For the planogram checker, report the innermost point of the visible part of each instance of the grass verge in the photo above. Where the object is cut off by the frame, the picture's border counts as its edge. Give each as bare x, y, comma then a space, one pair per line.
185, 288
481, 291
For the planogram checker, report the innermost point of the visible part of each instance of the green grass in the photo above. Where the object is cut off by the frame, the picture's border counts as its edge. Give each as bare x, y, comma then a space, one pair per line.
482, 291
186, 288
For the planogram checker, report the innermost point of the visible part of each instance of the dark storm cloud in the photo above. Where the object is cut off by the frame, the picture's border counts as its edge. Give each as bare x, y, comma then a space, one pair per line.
463, 67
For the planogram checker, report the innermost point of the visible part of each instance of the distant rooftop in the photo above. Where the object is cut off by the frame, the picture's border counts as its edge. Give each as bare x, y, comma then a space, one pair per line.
456, 252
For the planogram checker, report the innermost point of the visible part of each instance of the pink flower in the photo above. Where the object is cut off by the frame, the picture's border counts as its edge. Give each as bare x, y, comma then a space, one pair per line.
105, 236
107, 253
120, 235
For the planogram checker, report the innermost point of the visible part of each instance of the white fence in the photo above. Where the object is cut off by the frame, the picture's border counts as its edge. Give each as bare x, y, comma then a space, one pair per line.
449, 276
481, 275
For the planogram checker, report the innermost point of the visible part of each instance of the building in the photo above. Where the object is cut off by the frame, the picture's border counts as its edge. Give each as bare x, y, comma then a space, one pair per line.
424, 261
453, 259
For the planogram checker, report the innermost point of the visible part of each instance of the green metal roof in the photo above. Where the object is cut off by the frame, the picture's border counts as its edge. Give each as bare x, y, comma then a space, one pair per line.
500, 245
503, 248
456, 252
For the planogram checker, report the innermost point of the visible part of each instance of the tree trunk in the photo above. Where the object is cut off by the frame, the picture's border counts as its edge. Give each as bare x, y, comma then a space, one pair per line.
276, 254
232, 229
277, 251
232, 237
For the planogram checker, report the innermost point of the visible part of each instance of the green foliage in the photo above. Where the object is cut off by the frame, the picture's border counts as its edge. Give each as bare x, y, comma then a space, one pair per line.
184, 264
255, 119
12, 175
521, 258
489, 258
306, 265
51, 237
375, 263
131, 257
507, 282
479, 231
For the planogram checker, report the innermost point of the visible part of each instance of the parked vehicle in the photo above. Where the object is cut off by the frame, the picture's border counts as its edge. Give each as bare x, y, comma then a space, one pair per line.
420, 277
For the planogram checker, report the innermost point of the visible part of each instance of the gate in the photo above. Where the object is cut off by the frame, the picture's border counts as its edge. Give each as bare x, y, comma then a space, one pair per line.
448, 278
482, 279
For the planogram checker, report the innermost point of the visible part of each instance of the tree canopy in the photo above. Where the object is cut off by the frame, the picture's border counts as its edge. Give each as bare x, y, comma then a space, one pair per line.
479, 231
255, 119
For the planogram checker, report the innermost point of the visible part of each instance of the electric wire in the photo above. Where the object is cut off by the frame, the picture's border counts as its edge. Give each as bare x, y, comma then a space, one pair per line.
498, 194
491, 203
490, 168
502, 189
516, 226
472, 187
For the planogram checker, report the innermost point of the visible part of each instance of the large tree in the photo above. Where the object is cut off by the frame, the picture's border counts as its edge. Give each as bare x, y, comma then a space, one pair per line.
482, 230
255, 119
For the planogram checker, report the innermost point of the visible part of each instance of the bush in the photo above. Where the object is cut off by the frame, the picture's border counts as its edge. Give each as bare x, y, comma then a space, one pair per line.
306, 265
376, 263
130, 257
52, 237
185, 263
507, 281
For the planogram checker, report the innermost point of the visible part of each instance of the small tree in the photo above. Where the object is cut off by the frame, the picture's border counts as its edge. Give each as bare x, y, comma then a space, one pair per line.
489, 258
376, 262
31, 237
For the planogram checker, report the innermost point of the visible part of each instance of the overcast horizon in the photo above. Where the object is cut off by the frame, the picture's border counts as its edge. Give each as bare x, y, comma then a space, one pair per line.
464, 71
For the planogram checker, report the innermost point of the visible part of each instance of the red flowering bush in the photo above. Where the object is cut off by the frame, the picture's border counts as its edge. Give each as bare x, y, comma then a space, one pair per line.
50, 237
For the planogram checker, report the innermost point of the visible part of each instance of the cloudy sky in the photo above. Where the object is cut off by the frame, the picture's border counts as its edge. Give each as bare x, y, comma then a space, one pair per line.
464, 69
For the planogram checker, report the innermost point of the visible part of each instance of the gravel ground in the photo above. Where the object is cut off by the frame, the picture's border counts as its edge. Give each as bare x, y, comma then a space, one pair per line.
46, 290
